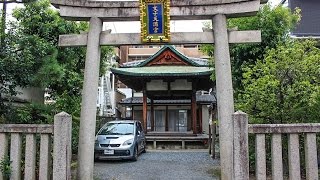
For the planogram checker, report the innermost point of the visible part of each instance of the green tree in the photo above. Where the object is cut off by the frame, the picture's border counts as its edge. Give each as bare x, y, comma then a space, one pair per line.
32, 58
284, 87
36, 34
38, 21
275, 25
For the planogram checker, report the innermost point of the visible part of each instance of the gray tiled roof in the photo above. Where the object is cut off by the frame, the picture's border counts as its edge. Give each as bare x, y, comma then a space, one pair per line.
203, 62
132, 63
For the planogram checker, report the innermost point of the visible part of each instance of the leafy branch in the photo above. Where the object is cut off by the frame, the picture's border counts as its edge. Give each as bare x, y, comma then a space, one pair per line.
5, 167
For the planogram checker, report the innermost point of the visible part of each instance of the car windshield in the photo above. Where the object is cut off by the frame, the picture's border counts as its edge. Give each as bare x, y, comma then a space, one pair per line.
117, 129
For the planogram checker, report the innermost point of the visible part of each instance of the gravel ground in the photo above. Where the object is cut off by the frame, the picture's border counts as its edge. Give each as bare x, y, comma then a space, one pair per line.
159, 165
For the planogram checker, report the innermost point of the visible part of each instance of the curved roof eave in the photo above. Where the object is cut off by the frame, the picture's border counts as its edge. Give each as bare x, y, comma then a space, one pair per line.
165, 71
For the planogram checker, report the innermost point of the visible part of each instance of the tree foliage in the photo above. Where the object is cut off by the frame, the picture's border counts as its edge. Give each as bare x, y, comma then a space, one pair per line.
37, 35
32, 56
277, 80
275, 25
284, 87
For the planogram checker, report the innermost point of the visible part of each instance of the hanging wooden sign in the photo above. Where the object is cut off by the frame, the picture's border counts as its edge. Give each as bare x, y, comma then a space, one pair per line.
155, 20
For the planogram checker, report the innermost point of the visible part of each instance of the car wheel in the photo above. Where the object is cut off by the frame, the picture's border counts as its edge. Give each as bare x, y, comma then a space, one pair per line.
135, 154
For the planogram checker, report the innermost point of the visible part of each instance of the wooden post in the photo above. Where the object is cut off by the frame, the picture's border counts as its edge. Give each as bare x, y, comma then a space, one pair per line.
200, 119
62, 146
240, 146
212, 132
167, 119
132, 113
213, 143
144, 110
194, 112
152, 115
209, 140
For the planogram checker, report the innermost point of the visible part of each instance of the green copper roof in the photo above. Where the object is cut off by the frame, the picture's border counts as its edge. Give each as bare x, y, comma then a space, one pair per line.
174, 50
163, 71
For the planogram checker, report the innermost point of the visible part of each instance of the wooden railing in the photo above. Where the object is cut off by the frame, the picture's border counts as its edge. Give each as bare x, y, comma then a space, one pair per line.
50, 166
293, 131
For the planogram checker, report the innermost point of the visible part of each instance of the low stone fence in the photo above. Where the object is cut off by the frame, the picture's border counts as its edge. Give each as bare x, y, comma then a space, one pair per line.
241, 153
39, 161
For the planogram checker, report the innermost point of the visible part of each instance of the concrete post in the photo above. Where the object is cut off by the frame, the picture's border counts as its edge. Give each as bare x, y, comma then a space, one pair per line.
62, 146
310, 146
15, 156
294, 157
276, 157
261, 165
30, 157
224, 94
3, 149
240, 146
89, 98
45, 167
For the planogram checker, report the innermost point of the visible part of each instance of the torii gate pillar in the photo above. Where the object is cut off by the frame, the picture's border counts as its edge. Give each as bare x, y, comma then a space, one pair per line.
89, 99
224, 94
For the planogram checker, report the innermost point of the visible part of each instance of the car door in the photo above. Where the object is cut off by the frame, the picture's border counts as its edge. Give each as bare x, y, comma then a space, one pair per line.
140, 137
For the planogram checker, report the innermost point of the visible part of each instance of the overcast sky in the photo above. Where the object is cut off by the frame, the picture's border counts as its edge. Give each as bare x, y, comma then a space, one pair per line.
176, 26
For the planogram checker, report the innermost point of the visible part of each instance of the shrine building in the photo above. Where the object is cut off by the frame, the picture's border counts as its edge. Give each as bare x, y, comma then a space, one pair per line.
171, 93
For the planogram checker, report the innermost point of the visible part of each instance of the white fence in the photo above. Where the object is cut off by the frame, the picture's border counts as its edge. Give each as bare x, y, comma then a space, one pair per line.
39, 161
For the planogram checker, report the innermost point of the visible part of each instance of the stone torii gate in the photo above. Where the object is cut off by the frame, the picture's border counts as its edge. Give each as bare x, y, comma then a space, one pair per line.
97, 12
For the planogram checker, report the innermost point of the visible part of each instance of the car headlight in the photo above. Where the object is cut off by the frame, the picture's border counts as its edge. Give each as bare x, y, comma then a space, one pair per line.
128, 142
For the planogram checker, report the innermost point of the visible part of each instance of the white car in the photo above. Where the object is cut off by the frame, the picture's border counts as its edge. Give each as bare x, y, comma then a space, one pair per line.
120, 139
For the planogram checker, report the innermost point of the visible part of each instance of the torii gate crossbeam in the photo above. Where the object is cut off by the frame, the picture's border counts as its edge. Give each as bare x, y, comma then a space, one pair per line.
119, 39
99, 11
